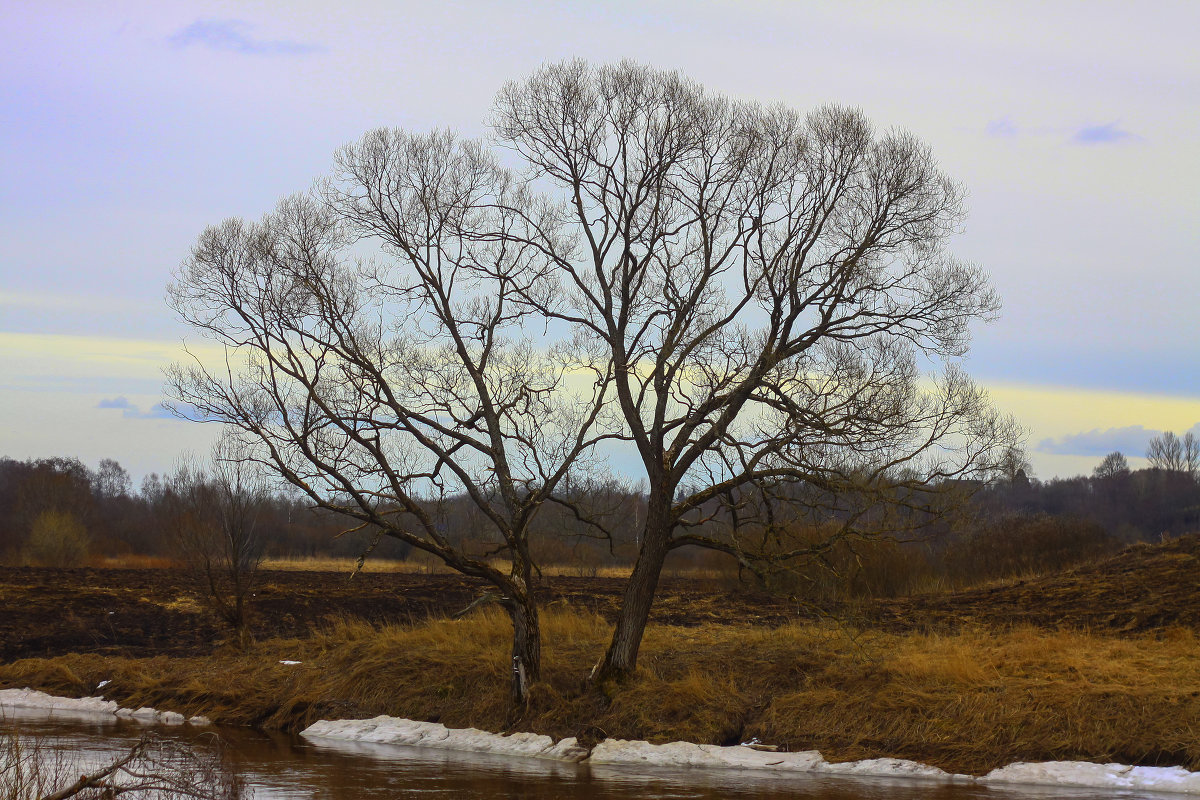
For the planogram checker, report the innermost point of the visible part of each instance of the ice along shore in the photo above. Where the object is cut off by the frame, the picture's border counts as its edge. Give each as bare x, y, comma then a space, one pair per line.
619, 752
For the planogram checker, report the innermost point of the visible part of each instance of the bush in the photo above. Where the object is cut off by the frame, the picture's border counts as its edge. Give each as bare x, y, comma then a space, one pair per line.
57, 539
845, 566
1027, 545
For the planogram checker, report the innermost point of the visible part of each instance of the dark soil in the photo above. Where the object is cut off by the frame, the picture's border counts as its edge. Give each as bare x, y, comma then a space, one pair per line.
144, 612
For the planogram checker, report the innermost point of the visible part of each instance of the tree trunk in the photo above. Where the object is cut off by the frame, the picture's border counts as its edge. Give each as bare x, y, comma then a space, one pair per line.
621, 658
526, 649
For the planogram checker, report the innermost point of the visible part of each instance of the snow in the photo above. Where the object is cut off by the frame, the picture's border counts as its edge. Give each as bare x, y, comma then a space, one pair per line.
27, 698
392, 730
687, 754
1087, 775
30, 699
891, 768
290, 663
621, 753
617, 752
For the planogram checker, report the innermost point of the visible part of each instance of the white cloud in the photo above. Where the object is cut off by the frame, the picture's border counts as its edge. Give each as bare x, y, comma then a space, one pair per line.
234, 36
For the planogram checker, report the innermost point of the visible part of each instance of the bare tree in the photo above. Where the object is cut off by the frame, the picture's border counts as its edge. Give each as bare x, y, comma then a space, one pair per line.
214, 519
1014, 466
1114, 465
378, 351
767, 288
110, 480
748, 297
1165, 452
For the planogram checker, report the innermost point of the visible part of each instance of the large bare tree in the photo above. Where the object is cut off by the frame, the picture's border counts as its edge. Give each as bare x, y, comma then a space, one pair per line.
770, 289
377, 338
759, 303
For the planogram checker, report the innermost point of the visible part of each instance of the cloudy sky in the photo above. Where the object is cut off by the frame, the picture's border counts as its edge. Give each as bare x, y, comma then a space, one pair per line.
125, 128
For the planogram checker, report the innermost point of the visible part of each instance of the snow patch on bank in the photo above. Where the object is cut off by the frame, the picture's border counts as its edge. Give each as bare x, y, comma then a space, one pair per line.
30, 699
1086, 775
407, 732
687, 754
619, 752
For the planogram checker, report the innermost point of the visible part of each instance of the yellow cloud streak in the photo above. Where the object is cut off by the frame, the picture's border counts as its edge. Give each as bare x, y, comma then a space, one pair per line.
1052, 411
61, 355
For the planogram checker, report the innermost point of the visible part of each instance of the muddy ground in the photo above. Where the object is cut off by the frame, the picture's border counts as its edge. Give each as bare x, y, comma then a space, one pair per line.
46, 612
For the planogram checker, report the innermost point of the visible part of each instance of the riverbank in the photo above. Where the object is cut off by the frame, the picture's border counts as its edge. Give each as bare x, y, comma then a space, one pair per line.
966, 702
746, 758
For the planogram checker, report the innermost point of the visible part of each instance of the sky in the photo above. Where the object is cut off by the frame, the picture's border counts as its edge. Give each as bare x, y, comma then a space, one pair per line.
126, 128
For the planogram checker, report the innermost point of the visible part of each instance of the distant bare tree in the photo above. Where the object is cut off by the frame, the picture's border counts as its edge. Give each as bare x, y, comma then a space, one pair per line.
214, 519
382, 386
1169, 453
1014, 466
111, 479
1114, 465
768, 288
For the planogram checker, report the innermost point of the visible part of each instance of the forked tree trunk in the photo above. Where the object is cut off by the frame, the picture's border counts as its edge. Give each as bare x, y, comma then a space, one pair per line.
621, 658
526, 649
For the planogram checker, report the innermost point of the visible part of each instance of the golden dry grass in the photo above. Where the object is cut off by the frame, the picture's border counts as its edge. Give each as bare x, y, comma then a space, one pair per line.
133, 561
966, 702
329, 564
426, 566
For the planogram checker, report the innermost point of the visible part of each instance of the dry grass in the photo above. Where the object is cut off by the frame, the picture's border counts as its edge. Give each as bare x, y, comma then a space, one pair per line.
347, 565
966, 702
417, 566
133, 561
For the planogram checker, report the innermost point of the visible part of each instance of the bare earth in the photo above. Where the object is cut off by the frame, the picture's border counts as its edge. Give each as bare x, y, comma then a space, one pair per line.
143, 612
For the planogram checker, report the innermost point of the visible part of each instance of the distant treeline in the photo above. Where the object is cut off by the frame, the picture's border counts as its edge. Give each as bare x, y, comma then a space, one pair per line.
60, 512
48, 498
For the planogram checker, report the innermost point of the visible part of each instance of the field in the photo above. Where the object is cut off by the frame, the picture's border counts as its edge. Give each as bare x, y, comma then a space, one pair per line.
143, 612
1098, 663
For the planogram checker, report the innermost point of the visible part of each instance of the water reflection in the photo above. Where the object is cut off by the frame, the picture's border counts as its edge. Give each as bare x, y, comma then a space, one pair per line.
279, 766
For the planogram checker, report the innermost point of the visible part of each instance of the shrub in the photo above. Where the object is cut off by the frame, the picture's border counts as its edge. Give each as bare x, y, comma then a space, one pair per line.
57, 539
1027, 545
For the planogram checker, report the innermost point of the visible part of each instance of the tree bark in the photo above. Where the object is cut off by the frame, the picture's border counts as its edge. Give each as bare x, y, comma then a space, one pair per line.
526, 649
621, 658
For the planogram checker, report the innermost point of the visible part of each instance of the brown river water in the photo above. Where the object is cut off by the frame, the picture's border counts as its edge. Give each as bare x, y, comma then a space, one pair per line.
279, 766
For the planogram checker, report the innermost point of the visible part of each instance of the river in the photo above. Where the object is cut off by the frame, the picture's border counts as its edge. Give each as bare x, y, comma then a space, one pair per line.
281, 766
